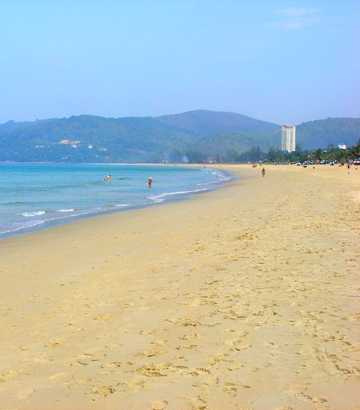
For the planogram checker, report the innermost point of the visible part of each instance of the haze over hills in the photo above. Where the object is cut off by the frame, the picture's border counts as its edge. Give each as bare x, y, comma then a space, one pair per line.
87, 138
203, 123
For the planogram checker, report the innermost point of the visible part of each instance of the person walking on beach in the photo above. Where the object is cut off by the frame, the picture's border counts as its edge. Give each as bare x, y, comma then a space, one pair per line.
150, 182
263, 171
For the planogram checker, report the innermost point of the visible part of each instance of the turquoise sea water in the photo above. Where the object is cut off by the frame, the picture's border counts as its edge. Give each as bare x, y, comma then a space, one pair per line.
38, 196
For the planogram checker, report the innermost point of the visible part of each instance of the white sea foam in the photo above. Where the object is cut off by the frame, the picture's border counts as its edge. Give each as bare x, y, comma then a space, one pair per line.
162, 197
35, 213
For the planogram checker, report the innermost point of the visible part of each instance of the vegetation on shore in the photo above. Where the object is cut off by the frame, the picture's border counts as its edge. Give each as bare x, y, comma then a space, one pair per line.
330, 155
194, 137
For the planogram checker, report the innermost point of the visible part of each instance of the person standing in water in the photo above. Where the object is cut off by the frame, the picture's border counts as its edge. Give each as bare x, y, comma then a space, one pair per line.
150, 182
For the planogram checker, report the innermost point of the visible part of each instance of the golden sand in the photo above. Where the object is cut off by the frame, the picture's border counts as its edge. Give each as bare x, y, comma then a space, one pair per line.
241, 298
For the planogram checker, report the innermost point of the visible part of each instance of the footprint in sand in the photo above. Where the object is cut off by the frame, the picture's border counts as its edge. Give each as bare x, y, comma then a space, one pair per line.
11, 373
152, 352
236, 367
229, 388
151, 370
198, 371
220, 358
159, 405
199, 404
132, 385
127, 367
179, 367
160, 342
86, 358
230, 330
56, 342
186, 321
231, 342
101, 390
319, 400
184, 347
239, 348
189, 336
211, 381
135, 384
148, 332
109, 367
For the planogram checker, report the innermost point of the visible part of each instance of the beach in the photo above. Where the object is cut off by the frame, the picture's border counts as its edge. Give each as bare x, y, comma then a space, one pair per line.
246, 297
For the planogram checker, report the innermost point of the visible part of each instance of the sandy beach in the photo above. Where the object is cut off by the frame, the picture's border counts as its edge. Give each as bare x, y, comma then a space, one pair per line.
242, 298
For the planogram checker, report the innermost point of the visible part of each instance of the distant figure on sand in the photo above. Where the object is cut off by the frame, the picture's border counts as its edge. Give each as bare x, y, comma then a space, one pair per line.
107, 178
150, 182
263, 171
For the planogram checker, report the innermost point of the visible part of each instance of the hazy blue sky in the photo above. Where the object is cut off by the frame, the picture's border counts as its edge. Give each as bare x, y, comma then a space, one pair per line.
277, 61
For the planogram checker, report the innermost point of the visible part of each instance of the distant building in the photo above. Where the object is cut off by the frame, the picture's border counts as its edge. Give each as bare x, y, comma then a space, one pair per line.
288, 138
342, 146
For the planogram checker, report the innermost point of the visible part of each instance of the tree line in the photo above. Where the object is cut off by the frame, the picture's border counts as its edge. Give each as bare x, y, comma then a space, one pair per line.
273, 155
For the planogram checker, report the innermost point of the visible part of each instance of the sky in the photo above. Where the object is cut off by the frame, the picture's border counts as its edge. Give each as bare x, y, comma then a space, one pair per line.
285, 62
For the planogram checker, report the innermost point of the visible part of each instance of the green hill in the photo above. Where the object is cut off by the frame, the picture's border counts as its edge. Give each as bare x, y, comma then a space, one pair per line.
202, 123
332, 131
236, 141
11, 126
87, 138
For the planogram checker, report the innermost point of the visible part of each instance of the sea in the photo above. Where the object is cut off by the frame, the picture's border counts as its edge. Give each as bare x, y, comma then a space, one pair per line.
34, 197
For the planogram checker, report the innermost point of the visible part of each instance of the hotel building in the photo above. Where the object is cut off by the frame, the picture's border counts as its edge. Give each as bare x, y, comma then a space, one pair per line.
288, 138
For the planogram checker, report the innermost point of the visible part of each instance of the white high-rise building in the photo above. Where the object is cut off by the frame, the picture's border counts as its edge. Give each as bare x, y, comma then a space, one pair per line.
288, 138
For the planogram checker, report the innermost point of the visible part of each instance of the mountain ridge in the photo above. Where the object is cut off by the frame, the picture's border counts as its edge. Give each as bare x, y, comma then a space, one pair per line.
88, 138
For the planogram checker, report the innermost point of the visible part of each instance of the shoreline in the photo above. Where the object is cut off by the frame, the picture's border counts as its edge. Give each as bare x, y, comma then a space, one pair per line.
242, 297
57, 217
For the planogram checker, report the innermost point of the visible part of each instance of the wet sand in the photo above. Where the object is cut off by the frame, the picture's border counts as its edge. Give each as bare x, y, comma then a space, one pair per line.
241, 298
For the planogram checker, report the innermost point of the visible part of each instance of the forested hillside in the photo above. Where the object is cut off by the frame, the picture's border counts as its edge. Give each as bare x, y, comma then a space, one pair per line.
332, 131
203, 123
194, 135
